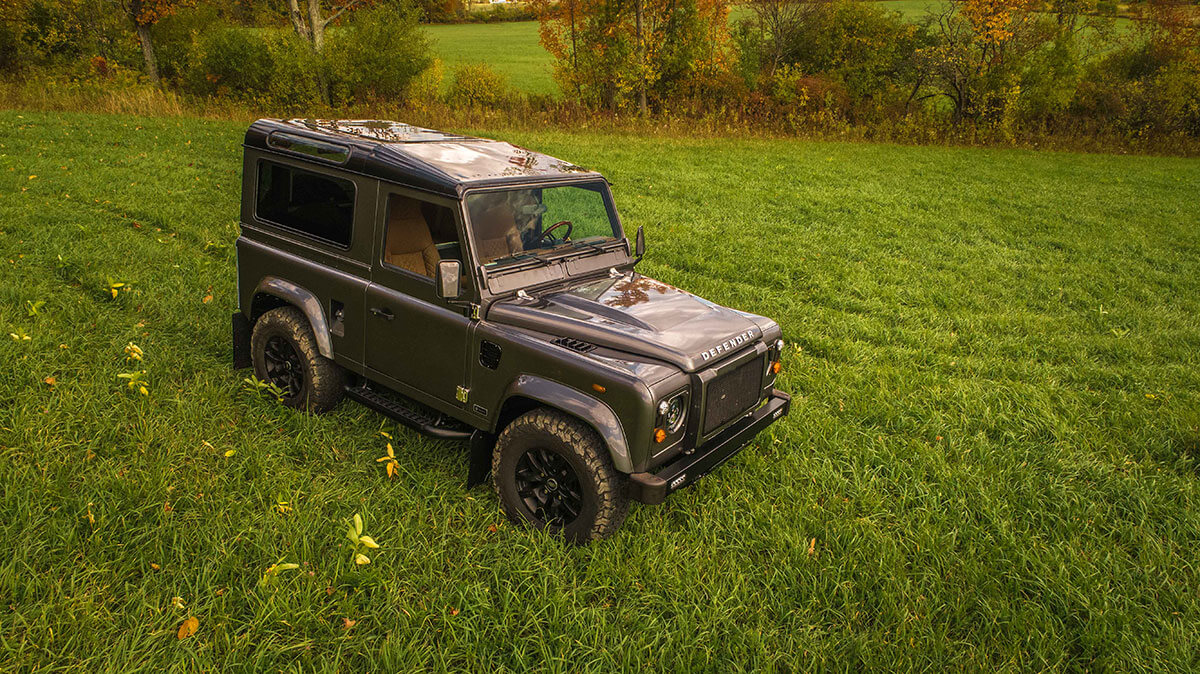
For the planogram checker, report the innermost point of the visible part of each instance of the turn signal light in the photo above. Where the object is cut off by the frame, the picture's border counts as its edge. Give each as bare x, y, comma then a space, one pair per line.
659, 435
776, 367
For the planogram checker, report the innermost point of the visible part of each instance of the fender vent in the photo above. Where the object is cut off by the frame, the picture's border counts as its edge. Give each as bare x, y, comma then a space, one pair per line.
574, 344
489, 354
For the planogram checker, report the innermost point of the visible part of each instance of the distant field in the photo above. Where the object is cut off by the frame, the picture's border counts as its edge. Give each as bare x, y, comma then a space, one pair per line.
510, 47
992, 462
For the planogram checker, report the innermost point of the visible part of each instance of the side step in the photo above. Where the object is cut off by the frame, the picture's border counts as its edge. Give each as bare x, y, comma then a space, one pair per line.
419, 420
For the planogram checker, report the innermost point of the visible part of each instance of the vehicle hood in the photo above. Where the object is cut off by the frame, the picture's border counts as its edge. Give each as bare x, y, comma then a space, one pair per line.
637, 314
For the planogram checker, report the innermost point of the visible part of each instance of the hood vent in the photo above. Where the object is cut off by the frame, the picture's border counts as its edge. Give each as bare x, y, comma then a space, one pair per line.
574, 344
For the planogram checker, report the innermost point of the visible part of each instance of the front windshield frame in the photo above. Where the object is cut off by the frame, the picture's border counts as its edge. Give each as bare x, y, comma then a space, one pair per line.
543, 256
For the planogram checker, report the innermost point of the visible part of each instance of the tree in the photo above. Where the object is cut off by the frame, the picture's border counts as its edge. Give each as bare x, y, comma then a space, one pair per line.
310, 24
632, 53
144, 14
977, 55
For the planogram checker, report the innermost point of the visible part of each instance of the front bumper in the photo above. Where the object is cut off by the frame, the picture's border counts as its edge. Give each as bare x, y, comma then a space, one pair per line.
653, 488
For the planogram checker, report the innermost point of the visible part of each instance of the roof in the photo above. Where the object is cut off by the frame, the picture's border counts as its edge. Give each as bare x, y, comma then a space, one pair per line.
413, 156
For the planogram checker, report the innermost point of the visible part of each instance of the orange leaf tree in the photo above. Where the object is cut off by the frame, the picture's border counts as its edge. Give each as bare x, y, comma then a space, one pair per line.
977, 54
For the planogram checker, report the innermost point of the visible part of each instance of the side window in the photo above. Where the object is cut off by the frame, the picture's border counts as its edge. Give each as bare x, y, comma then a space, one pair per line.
419, 234
318, 205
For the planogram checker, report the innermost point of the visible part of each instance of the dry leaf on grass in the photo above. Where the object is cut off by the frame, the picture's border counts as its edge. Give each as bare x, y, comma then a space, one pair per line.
188, 627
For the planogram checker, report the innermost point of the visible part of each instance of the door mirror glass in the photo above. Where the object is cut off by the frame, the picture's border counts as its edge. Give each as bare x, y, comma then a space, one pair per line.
449, 273
639, 245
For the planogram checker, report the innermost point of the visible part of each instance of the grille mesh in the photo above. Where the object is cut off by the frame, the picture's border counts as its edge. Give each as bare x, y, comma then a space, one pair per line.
732, 394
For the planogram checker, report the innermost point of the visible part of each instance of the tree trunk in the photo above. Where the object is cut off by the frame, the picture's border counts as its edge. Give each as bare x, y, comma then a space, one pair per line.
143, 33
298, 21
641, 51
318, 25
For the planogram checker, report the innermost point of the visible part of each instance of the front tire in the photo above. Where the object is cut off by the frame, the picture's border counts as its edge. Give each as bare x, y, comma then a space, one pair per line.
551, 471
284, 350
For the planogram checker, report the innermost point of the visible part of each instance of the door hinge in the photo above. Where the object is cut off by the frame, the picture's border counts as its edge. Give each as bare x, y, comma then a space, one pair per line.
462, 393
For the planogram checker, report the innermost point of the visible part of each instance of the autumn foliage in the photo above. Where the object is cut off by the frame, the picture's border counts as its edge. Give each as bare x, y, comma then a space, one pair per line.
616, 53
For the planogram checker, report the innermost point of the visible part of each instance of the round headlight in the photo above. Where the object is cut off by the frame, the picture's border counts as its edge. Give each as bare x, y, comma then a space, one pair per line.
675, 414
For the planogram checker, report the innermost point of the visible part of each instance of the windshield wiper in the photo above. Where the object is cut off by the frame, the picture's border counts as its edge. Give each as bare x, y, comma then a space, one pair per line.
518, 257
598, 248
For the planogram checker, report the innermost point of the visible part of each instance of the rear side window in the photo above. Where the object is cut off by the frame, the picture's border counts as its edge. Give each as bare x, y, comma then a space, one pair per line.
318, 205
315, 148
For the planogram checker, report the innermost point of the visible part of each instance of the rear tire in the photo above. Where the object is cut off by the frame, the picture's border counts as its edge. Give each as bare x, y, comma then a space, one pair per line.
551, 471
284, 350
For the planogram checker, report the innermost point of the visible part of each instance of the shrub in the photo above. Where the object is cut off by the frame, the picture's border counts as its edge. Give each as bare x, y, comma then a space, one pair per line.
10, 50
271, 67
378, 55
173, 37
230, 61
426, 87
476, 84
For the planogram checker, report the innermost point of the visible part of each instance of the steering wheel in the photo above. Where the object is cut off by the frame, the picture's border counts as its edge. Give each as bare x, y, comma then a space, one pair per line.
547, 232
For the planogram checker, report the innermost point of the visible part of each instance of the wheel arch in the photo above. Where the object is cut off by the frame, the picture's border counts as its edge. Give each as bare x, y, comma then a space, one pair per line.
528, 392
273, 292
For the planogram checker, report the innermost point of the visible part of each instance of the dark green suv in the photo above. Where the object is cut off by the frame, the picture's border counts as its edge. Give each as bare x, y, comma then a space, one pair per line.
475, 290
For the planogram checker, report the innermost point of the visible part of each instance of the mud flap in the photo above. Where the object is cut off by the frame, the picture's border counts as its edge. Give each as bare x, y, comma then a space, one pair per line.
482, 444
241, 341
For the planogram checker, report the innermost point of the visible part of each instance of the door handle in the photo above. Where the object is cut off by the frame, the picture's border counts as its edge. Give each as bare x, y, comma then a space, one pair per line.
383, 312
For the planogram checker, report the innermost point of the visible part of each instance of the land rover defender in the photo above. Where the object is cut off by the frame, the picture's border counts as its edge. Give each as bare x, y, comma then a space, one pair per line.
478, 291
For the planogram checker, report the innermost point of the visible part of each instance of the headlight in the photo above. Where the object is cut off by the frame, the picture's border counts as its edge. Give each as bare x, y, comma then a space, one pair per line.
676, 413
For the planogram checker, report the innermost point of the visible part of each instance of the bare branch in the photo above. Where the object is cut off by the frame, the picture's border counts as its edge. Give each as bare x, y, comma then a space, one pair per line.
348, 5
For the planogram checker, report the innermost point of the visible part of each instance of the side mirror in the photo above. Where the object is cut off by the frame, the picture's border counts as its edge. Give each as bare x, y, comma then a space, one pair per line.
449, 273
639, 245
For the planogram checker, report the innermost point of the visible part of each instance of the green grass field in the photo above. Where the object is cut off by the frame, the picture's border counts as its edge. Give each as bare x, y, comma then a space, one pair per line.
511, 48
993, 460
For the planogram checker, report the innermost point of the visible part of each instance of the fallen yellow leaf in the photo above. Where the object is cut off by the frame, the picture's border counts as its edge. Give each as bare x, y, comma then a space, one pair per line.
188, 627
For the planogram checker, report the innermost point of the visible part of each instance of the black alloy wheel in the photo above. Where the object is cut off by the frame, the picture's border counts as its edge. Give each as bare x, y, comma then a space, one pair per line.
553, 472
284, 352
549, 487
284, 367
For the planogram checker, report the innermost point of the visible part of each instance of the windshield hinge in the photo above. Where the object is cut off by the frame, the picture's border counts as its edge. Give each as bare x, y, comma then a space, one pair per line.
474, 312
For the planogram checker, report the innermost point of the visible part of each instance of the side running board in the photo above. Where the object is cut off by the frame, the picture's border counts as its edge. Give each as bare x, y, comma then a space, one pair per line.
417, 420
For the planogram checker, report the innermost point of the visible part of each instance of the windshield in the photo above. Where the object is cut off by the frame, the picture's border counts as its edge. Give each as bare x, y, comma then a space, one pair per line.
520, 223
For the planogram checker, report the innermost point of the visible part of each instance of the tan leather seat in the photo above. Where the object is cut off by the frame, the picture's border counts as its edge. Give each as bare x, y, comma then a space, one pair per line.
409, 243
496, 232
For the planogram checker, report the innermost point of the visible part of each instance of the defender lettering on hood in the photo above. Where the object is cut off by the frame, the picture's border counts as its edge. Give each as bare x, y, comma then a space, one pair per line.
729, 344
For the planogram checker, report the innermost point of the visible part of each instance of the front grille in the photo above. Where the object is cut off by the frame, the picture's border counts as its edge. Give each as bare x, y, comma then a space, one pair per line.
732, 394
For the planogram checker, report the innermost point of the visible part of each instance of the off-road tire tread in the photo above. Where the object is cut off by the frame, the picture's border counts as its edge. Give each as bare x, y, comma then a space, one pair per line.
613, 502
325, 381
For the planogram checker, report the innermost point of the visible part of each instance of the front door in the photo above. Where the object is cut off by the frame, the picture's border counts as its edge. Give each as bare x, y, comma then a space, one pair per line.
415, 342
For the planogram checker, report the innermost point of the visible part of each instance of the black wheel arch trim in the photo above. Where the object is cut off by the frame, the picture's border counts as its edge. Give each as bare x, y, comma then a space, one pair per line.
303, 300
588, 409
